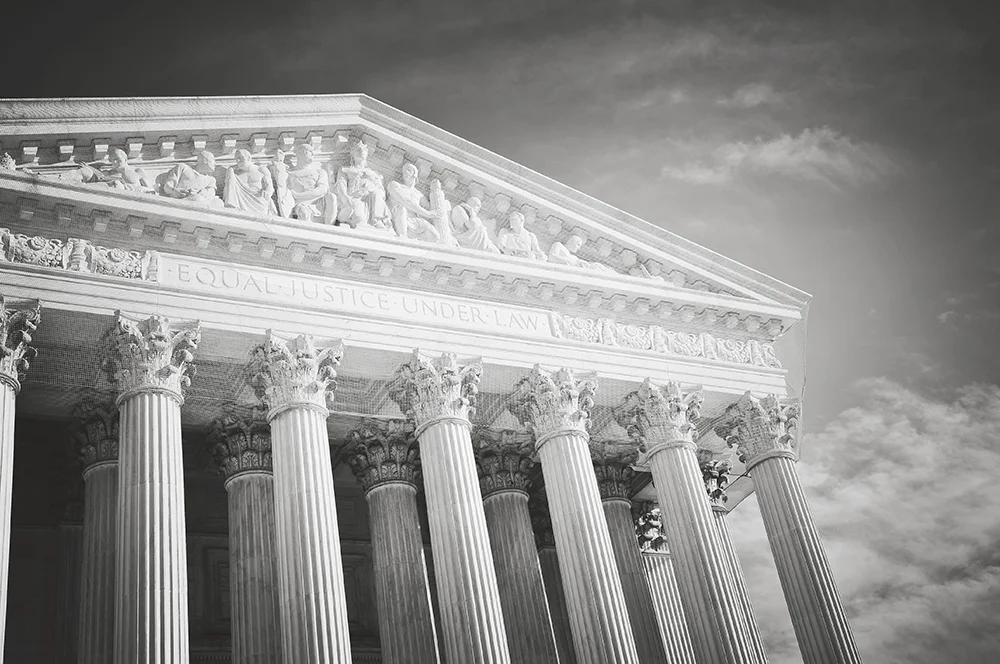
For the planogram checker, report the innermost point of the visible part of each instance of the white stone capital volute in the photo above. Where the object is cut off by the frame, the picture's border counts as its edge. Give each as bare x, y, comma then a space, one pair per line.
553, 402
661, 416
151, 354
761, 428
430, 389
288, 371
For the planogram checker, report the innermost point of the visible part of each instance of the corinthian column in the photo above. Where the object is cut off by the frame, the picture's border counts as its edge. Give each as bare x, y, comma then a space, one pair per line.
439, 396
148, 364
662, 420
383, 456
663, 584
98, 438
765, 435
556, 406
613, 468
548, 559
504, 461
16, 327
714, 472
241, 448
294, 378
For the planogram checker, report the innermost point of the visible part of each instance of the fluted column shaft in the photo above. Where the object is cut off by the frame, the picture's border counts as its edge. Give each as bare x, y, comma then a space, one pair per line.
253, 574
406, 621
68, 584
818, 615
97, 576
519, 577
311, 574
7, 395
598, 614
667, 604
740, 582
151, 611
548, 559
638, 597
471, 614
708, 592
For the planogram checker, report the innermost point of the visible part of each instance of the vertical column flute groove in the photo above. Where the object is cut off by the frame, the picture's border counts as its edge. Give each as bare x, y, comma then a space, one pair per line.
97, 578
667, 604
548, 560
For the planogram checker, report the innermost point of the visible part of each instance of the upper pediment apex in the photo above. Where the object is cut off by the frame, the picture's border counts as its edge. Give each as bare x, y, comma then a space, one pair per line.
157, 134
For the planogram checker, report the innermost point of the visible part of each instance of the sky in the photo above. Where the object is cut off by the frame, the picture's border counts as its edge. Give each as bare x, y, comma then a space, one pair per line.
847, 148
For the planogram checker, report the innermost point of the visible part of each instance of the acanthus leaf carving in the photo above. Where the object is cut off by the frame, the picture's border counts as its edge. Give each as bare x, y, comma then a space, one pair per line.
761, 428
96, 432
649, 527
383, 451
427, 389
293, 371
151, 354
553, 402
17, 325
715, 473
503, 458
661, 416
240, 445
613, 467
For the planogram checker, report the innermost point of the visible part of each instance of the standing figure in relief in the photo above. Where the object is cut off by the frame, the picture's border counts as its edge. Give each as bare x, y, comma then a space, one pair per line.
565, 254
249, 187
279, 171
409, 217
309, 186
191, 184
119, 176
516, 240
360, 192
468, 228
441, 209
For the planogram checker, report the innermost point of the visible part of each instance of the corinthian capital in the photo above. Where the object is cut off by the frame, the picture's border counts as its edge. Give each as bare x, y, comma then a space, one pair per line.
293, 371
613, 467
649, 527
17, 324
761, 428
382, 451
427, 389
661, 416
553, 402
715, 473
96, 433
503, 458
151, 354
240, 445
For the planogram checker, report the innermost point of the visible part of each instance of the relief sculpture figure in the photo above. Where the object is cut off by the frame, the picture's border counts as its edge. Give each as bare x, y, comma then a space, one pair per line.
119, 175
249, 186
468, 228
516, 240
409, 217
360, 192
191, 184
279, 173
441, 209
309, 186
565, 254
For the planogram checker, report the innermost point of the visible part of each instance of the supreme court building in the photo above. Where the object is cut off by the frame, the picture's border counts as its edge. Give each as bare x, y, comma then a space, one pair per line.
304, 379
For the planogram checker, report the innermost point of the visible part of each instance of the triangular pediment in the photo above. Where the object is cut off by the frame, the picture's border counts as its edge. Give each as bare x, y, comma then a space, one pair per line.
626, 268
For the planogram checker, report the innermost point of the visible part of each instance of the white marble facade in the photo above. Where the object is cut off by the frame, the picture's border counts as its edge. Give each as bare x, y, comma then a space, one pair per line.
402, 341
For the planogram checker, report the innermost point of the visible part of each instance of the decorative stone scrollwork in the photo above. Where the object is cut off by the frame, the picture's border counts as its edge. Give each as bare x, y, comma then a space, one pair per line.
151, 354
553, 402
240, 445
541, 519
77, 256
661, 416
118, 262
430, 389
383, 451
504, 460
286, 372
761, 428
96, 433
715, 472
34, 250
17, 324
649, 527
613, 467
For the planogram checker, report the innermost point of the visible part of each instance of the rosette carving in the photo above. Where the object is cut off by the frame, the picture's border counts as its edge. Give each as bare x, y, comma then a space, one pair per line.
649, 527
715, 473
286, 372
154, 353
503, 458
17, 325
383, 451
553, 402
117, 262
657, 416
96, 433
33, 250
761, 428
426, 389
240, 445
613, 467
541, 519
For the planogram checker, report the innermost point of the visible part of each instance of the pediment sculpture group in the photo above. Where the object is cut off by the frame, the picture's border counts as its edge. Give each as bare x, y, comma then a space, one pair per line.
352, 195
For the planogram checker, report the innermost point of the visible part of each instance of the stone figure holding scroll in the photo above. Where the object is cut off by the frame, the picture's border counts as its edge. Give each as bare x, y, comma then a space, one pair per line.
514, 239
191, 184
565, 254
468, 228
360, 192
249, 186
309, 186
409, 217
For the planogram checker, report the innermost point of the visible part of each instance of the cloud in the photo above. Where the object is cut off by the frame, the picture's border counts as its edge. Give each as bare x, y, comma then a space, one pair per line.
903, 489
820, 155
753, 95
944, 316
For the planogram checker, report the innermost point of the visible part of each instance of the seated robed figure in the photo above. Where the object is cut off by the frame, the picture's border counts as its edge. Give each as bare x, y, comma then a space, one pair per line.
514, 239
